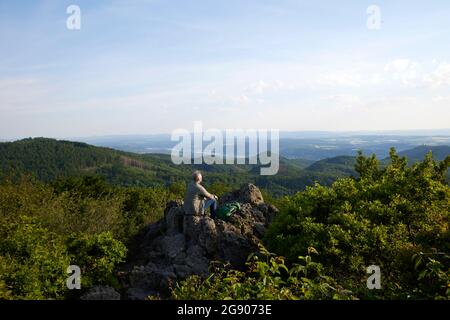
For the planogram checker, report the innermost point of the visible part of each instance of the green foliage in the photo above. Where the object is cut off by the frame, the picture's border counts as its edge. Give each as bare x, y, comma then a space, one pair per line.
86, 186
48, 160
97, 256
396, 216
339, 166
267, 277
385, 217
219, 189
63, 212
33, 261
434, 277
83, 221
5, 292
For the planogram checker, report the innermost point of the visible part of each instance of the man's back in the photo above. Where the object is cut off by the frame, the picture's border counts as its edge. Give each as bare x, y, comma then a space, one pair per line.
193, 199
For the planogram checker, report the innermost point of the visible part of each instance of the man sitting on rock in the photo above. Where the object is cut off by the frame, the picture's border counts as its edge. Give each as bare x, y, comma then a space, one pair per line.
196, 194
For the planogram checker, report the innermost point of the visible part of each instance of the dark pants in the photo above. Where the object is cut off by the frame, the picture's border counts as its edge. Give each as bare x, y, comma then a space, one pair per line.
212, 204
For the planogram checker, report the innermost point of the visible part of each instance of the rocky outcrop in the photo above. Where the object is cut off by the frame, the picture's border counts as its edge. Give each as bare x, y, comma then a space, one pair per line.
178, 246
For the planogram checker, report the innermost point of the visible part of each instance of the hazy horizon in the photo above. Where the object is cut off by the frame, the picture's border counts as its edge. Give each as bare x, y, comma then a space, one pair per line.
283, 134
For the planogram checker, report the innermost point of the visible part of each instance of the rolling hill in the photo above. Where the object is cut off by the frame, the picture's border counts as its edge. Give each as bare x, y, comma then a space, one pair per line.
341, 165
418, 153
49, 159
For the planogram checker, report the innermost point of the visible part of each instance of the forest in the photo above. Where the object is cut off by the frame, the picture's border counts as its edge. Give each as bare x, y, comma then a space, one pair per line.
64, 203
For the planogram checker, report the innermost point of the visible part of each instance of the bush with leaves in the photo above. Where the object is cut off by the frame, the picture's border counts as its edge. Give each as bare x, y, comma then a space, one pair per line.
266, 277
434, 275
42, 232
97, 256
385, 217
33, 261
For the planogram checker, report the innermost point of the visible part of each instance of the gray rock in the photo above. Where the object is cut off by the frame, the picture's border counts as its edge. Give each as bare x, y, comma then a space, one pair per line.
174, 219
260, 229
173, 245
234, 247
248, 193
196, 260
101, 293
182, 271
191, 228
153, 231
139, 277
140, 294
207, 238
167, 280
152, 277
180, 258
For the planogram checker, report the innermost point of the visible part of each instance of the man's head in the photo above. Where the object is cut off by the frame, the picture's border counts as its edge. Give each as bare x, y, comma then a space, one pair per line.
197, 176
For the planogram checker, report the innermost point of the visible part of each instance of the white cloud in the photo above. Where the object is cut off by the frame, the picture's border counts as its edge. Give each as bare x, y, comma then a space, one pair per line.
241, 99
399, 65
258, 87
290, 96
440, 76
339, 79
405, 71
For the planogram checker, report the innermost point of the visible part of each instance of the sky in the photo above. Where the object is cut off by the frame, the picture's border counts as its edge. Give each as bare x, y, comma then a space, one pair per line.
153, 66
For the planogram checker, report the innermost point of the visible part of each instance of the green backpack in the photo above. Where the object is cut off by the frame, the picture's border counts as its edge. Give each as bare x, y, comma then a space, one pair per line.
225, 211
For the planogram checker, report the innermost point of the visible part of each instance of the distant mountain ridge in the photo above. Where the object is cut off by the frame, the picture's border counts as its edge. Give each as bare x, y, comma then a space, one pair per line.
311, 146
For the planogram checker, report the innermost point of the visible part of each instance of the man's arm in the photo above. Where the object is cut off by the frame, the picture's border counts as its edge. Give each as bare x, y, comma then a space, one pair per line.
203, 192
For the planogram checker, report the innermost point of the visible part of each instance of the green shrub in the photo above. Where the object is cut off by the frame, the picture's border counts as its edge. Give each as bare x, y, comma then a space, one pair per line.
43, 231
385, 217
267, 277
97, 256
33, 261
434, 277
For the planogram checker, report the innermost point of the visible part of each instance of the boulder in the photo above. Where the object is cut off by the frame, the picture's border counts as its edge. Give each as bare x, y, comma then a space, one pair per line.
101, 293
173, 217
197, 261
173, 245
140, 294
207, 238
248, 193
